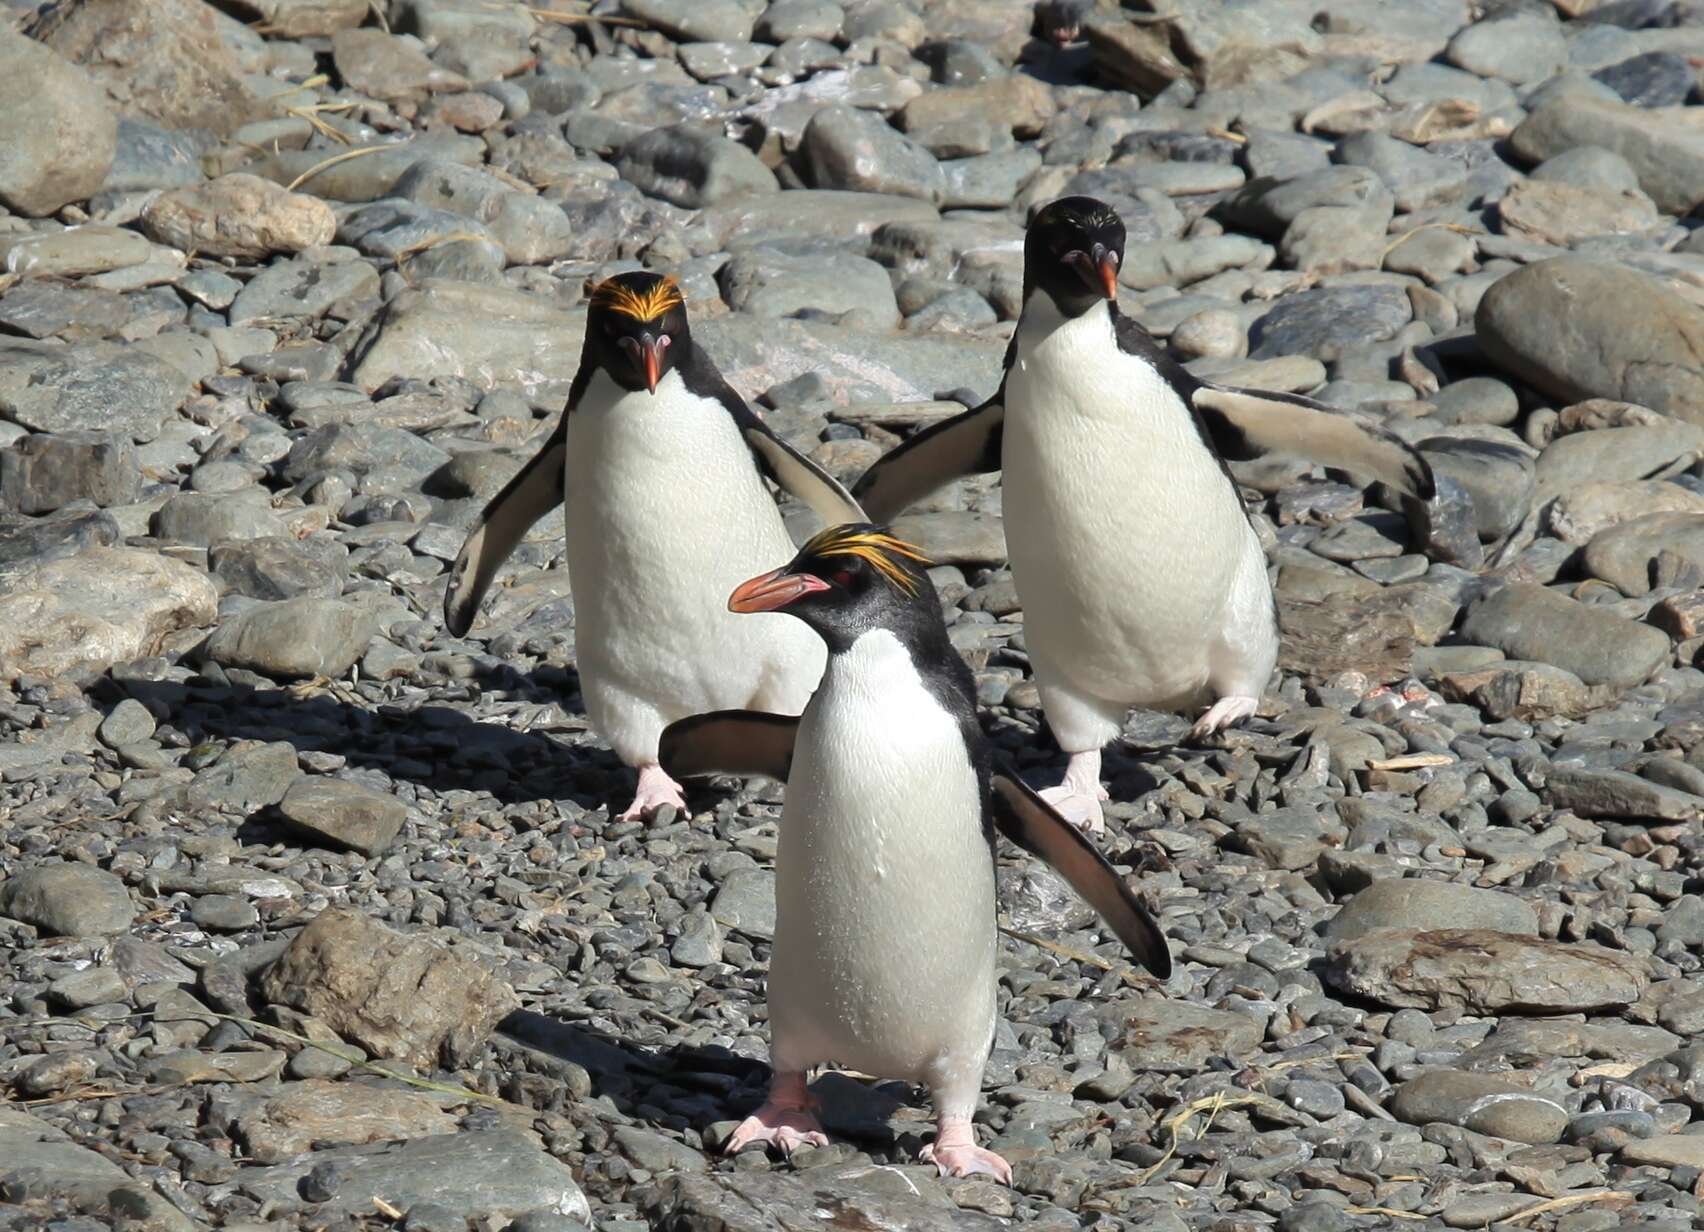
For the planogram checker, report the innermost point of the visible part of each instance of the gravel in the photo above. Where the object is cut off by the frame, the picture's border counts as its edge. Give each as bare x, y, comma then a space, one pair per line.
289, 288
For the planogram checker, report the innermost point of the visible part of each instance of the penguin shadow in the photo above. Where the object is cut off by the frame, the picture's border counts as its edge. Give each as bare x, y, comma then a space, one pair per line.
432, 745
637, 1079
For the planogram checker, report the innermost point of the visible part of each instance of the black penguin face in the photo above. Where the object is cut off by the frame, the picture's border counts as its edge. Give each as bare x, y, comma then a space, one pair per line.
637, 321
846, 581
1072, 250
1061, 21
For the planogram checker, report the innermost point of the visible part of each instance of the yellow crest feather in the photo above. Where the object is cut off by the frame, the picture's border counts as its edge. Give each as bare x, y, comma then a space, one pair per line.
880, 550
646, 305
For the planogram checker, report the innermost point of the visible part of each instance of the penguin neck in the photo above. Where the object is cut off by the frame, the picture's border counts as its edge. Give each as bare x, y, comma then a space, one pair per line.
1043, 319
920, 645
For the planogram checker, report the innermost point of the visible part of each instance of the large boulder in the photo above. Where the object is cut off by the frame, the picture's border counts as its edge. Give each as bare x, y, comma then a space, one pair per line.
57, 134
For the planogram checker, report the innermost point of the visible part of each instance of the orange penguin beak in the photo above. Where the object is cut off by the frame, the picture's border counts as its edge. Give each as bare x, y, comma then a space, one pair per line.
1108, 269
772, 591
651, 351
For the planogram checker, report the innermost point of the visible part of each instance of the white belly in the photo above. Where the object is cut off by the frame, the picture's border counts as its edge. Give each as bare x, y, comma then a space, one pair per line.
1126, 538
666, 514
884, 938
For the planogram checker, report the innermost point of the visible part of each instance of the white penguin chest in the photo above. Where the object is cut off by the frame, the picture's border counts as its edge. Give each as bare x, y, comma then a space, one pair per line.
1125, 535
666, 514
885, 939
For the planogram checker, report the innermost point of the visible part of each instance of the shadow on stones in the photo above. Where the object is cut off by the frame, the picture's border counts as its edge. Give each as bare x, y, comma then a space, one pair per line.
435, 746
633, 1079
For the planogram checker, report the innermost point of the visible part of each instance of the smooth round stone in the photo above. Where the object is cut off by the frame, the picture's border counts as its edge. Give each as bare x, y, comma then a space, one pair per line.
1318, 1099
225, 476
1217, 333
1518, 1119
224, 913
127, 723
1477, 400
1482, 1210
93, 986
1589, 166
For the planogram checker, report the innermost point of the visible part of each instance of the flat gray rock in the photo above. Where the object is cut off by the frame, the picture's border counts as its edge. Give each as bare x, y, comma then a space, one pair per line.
775, 282
1668, 157
496, 337
1483, 972
305, 286
1617, 794
756, 355
1420, 904
291, 638
745, 902
247, 777
1168, 1036
694, 168
1482, 1103
495, 1172
885, 1198
1569, 464
346, 814
45, 471
1531, 622
68, 900
97, 386
1327, 321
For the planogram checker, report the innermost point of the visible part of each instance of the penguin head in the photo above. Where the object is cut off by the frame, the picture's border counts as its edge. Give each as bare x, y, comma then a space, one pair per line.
1061, 21
1072, 250
846, 581
637, 322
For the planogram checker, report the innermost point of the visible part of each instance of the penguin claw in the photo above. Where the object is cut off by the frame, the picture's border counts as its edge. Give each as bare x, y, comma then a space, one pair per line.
656, 789
967, 1160
786, 1129
1077, 807
1224, 713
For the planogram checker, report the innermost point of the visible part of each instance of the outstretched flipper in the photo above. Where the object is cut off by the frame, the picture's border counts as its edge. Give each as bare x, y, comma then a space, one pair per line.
534, 491
966, 444
795, 473
1031, 823
778, 461
1246, 423
743, 742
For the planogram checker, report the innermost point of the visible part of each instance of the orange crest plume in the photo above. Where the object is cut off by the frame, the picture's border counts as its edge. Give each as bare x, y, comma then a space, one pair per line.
880, 549
646, 305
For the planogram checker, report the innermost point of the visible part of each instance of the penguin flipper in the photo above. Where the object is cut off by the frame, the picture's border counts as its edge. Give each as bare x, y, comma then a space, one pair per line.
730, 742
535, 490
1247, 423
797, 474
1031, 823
966, 444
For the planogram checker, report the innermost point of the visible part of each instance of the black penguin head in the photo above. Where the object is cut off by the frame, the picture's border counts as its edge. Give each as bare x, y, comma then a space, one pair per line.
637, 323
1061, 21
1072, 250
848, 580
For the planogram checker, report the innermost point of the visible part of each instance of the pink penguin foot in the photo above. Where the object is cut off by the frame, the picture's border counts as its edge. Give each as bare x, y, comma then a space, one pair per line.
656, 789
1080, 808
1224, 713
1078, 798
967, 1159
782, 1126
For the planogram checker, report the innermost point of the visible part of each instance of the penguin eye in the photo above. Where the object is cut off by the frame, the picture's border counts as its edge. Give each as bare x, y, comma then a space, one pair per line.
841, 577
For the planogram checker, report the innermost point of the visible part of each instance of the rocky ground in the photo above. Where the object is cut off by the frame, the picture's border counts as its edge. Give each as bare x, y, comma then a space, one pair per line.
315, 917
